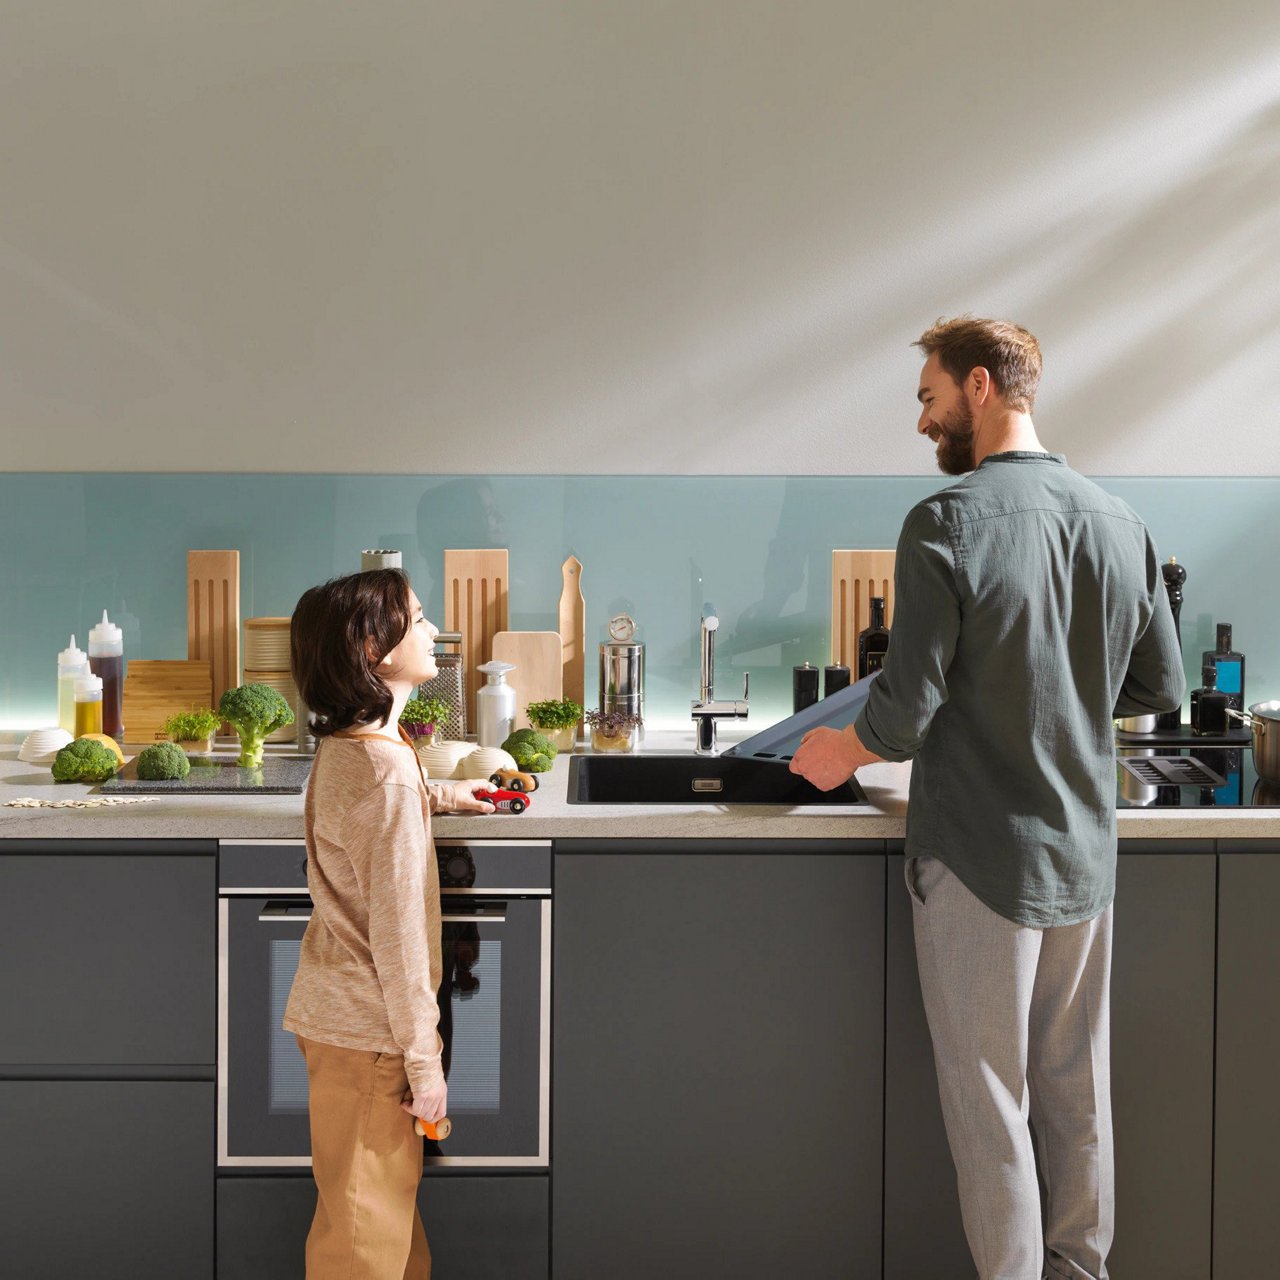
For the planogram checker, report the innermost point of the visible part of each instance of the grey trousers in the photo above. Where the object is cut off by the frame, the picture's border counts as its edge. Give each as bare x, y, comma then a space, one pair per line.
1020, 1020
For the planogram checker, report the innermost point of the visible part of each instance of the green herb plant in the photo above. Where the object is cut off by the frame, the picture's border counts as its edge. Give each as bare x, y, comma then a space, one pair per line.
554, 715
421, 716
194, 725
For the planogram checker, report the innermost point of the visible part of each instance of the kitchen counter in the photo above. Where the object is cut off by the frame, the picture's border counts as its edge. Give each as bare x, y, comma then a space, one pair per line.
550, 816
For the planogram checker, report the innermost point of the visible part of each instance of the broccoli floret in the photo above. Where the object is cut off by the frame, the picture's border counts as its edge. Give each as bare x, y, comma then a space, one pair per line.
84, 761
163, 762
530, 750
254, 711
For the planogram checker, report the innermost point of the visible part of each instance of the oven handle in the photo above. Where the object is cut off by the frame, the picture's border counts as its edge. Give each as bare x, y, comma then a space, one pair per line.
296, 912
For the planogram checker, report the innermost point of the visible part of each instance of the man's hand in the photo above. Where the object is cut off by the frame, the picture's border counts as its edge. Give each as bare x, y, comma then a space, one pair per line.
829, 757
462, 796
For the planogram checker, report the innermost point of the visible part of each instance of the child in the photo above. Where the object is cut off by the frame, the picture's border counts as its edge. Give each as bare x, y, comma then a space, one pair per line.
363, 1004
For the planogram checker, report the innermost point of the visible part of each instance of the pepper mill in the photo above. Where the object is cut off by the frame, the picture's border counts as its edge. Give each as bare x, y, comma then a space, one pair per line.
1174, 576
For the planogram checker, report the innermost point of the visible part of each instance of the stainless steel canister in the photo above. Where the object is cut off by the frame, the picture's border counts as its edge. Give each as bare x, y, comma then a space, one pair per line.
622, 677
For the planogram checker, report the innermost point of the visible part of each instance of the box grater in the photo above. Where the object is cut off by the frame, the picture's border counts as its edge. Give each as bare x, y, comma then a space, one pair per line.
448, 685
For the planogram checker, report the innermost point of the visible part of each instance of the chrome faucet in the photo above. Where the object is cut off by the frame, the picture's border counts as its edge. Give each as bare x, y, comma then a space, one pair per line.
706, 710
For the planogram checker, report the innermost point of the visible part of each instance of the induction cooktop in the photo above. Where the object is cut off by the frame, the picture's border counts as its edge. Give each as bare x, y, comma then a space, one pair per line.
1233, 782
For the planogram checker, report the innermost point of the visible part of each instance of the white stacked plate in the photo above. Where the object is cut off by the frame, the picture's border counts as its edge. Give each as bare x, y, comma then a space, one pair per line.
266, 644
282, 683
40, 746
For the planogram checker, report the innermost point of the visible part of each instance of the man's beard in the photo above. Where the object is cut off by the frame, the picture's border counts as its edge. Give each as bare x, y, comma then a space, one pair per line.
955, 448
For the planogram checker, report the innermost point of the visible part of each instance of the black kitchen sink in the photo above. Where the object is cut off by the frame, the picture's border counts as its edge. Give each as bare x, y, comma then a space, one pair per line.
689, 779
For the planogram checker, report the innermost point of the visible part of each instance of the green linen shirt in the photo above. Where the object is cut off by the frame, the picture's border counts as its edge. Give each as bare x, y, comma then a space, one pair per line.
1029, 610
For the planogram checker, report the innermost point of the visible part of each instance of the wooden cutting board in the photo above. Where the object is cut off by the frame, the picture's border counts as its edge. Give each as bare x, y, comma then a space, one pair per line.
573, 632
155, 690
213, 616
475, 603
539, 667
856, 576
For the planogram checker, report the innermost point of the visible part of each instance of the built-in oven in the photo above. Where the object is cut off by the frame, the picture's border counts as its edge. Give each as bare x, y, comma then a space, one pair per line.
495, 1003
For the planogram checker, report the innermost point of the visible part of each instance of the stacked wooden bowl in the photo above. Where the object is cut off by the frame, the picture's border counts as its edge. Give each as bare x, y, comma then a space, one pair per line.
266, 661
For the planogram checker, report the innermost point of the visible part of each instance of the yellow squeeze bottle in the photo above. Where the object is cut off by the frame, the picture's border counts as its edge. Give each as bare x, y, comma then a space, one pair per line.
88, 705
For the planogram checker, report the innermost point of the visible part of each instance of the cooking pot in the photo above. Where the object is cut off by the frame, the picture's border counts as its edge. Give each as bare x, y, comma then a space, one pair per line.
1264, 719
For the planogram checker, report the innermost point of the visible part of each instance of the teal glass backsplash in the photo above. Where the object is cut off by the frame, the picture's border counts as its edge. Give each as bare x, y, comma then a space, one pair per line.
756, 548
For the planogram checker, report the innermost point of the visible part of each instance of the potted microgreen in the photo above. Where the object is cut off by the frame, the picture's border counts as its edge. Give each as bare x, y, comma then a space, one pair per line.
557, 721
193, 730
422, 718
613, 730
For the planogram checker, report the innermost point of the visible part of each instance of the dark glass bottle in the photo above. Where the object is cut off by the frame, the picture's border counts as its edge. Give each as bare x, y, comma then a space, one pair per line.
1208, 705
873, 642
1229, 666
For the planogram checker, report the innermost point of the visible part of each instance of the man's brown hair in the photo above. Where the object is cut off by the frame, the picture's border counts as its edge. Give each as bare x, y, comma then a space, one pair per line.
339, 633
1008, 352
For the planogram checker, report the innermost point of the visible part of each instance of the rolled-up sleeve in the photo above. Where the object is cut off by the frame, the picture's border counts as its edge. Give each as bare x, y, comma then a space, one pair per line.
926, 625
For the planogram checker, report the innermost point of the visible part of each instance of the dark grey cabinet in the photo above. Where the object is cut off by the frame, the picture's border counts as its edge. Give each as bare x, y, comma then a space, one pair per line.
106, 1178
479, 1228
1246, 1240
718, 1040
110, 955
1162, 1003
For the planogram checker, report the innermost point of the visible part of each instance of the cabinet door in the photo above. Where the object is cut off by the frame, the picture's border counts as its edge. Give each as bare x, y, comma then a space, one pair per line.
110, 957
1247, 1158
718, 1033
1162, 1059
923, 1234
1161, 1068
109, 1179
479, 1228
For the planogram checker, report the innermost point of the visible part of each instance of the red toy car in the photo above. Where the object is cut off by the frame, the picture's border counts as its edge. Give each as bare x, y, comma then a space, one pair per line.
505, 801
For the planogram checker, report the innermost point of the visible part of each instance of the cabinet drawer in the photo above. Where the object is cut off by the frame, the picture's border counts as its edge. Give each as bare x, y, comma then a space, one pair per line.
109, 1179
479, 1228
111, 959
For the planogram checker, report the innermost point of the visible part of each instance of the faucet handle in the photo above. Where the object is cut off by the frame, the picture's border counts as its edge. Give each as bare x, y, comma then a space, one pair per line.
746, 678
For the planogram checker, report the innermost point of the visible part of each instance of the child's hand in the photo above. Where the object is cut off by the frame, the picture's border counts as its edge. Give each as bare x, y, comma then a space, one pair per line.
430, 1105
464, 799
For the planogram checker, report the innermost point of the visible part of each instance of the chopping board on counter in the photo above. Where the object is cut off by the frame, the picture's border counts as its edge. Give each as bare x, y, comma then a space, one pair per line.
573, 632
538, 658
218, 776
213, 616
475, 603
856, 576
154, 690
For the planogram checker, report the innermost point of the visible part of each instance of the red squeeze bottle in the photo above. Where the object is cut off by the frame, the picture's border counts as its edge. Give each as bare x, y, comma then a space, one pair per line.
437, 1131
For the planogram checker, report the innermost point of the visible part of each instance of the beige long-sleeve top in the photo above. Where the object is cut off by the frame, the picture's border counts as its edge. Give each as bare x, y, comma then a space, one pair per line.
370, 963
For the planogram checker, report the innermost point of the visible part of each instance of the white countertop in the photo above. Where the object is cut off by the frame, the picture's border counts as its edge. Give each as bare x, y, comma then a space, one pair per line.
549, 816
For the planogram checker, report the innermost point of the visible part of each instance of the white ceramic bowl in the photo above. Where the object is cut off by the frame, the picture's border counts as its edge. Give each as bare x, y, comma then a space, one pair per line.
486, 761
40, 746
442, 759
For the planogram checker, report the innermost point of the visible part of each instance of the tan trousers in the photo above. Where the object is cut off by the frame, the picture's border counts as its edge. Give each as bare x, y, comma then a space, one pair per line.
367, 1162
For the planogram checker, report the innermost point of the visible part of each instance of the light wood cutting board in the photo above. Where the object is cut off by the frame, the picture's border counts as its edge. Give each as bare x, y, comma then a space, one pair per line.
573, 632
213, 616
475, 603
539, 667
155, 690
856, 576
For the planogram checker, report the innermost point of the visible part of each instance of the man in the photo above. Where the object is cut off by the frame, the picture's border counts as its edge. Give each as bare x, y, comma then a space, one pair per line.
1029, 612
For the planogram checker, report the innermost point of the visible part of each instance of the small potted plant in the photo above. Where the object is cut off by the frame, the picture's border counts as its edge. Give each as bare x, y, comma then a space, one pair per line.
557, 721
422, 717
613, 730
193, 730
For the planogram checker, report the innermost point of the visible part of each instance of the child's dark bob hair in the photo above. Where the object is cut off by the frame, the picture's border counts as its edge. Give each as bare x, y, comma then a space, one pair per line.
339, 633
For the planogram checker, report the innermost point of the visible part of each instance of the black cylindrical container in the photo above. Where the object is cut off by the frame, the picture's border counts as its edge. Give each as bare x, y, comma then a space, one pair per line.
804, 686
834, 678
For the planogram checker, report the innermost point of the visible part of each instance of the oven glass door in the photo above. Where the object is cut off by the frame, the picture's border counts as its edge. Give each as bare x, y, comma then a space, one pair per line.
494, 1022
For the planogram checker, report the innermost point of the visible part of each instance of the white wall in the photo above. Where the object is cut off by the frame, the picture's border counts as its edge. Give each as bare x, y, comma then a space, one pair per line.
644, 236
